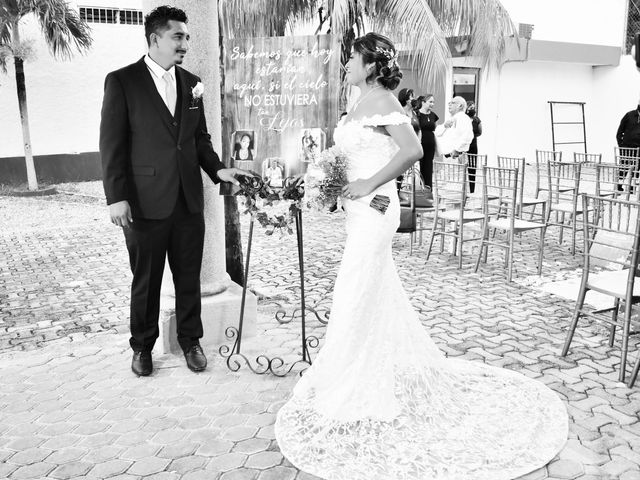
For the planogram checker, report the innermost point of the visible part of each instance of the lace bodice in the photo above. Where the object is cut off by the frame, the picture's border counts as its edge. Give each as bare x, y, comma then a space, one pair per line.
368, 149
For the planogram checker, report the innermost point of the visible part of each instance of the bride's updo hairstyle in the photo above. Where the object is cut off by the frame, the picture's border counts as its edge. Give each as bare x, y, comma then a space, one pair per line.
378, 49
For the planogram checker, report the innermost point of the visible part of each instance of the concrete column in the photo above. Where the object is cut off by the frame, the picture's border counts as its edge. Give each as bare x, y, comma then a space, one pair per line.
221, 297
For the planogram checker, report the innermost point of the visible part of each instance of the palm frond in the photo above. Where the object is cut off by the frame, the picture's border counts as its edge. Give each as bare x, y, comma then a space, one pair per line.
263, 18
62, 27
413, 27
485, 22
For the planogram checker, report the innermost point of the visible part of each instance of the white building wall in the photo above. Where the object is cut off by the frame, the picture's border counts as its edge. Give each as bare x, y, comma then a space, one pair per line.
64, 97
514, 108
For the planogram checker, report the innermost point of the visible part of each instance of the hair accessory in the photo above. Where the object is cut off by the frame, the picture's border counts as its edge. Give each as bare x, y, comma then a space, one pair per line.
390, 55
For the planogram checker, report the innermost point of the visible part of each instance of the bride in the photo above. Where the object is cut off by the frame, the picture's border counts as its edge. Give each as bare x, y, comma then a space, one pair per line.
381, 402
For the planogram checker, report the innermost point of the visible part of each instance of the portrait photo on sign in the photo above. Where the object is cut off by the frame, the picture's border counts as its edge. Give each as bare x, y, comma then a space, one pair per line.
243, 151
312, 142
273, 172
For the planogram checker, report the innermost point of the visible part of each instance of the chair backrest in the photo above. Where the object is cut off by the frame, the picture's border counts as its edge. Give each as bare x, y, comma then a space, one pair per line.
542, 158
626, 151
611, 234
477, 162
503, 184
515, 163
587, 157
589, 177
627, 161
450, 184
613, 180
564, 181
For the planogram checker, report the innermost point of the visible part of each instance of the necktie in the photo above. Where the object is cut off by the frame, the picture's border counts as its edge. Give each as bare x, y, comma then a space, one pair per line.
169, 92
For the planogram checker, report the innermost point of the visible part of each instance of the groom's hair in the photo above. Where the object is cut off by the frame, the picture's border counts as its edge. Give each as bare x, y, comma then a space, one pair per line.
158, 19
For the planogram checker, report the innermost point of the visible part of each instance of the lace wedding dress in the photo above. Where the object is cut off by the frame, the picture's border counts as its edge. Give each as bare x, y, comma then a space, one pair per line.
380, 401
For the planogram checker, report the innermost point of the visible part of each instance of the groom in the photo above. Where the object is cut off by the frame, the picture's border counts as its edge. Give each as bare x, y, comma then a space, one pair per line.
153, 142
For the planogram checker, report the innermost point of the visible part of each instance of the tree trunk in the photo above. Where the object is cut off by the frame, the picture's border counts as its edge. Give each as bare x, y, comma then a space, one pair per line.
24, 115
233, 240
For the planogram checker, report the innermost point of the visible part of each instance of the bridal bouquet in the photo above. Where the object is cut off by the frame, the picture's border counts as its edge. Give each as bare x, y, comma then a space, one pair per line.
325, 178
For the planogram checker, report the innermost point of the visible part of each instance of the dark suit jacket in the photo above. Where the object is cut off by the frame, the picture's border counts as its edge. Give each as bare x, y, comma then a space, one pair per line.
628, 134
147, 153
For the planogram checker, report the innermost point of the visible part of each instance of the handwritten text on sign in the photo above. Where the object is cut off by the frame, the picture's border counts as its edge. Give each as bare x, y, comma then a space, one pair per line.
281, 78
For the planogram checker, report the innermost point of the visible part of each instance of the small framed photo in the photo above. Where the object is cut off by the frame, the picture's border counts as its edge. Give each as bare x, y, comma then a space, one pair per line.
243, 150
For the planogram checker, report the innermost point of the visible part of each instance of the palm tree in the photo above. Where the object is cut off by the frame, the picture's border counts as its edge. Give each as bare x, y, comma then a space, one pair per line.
62, 29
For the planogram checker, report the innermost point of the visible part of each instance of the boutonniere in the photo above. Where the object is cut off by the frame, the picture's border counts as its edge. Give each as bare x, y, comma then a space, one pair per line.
196, 94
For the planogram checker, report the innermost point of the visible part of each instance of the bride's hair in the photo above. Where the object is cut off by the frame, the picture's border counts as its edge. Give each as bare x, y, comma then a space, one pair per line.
378, 49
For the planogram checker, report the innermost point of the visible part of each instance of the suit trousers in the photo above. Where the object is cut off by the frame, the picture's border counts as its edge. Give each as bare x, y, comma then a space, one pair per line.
180, 238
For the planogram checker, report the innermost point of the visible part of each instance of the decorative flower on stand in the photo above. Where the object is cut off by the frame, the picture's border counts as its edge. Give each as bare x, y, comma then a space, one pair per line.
196, 93
272, 209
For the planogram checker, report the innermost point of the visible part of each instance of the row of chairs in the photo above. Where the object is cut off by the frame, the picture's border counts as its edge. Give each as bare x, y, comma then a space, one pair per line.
501, 205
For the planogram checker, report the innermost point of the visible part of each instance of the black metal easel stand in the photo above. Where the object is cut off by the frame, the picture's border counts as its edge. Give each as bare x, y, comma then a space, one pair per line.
264, 364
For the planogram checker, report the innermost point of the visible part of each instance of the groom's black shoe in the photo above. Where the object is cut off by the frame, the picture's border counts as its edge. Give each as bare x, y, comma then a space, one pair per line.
196, 361
141, 364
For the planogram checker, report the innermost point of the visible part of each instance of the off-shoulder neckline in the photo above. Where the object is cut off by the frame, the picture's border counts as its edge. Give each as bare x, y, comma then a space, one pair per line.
369, 121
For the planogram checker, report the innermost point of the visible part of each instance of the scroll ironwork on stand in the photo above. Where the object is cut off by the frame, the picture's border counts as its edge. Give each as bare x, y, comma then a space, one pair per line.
263, 363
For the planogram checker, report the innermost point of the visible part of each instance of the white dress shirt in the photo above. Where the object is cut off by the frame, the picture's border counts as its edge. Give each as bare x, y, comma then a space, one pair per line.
157, 72
458, 136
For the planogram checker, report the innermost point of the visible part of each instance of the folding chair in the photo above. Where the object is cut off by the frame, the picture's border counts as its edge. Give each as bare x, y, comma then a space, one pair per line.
519, 164
610, 266
503, 182
450, 185
564, 187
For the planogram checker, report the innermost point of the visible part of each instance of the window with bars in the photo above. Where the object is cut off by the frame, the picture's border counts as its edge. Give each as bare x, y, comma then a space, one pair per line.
633, 24
111, 15
131, 17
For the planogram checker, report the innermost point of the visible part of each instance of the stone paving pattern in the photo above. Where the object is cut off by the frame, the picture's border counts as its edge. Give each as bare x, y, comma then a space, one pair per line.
70, 408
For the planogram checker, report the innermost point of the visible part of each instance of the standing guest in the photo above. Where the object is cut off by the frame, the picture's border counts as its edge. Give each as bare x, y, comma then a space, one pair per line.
628, 134
427, 119
407, 101
476, 124
153, 142
457, 132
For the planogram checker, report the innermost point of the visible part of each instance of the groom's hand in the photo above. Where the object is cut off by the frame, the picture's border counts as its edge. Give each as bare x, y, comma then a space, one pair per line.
229, 175
120, 213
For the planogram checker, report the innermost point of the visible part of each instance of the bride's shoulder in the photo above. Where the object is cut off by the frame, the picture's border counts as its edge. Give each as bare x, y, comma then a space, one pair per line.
386, 110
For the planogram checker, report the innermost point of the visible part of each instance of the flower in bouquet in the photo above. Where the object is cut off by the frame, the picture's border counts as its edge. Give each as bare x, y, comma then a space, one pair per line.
325, 178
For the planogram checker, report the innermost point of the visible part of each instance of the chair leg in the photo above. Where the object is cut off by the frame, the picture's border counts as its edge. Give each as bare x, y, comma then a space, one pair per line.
614, 322
541, 250
634, 373
506, 253
574, 319
433, 234
460, 240
510, 256
483, 245
574, 220
561, 227
626, 326
443, 236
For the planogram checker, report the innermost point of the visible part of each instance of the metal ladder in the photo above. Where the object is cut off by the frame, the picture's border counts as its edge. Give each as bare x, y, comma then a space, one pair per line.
569, 113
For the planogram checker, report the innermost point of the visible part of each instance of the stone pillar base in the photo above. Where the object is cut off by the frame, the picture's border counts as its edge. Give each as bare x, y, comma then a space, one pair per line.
218, 312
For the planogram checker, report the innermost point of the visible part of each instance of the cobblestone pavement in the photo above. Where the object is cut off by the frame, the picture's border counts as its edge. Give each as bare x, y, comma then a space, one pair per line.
70, 408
